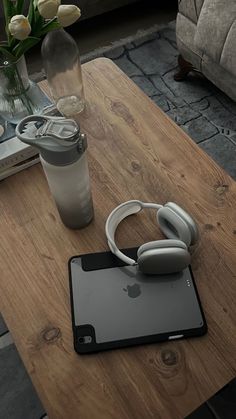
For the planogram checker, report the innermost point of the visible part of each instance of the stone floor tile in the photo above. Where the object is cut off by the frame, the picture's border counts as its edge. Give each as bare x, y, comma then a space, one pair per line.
200, 129
193, 89
220, 114
18, 399
128, 67
223, 151
167, 91
146, 85
162, 102
147, 57
182, 115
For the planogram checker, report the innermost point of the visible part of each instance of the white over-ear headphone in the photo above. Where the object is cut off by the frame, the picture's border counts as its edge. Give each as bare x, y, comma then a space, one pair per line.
161, 256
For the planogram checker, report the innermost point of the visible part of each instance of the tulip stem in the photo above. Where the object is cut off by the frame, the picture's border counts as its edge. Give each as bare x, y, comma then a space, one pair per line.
27, 102
15, 88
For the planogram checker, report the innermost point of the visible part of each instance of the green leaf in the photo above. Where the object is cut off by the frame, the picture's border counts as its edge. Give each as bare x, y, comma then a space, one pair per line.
25, 45
9, 11
13, 43
19, 7
6, 53
31, 14
53, 24
38, 24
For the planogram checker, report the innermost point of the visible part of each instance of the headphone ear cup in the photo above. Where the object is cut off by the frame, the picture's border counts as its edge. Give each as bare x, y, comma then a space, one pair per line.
192, 226
175, 223
164, 259
158, 244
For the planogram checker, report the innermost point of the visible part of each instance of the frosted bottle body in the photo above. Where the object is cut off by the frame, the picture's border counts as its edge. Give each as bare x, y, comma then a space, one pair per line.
70, 188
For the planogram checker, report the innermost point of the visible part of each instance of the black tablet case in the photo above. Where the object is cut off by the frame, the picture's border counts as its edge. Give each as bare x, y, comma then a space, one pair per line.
114, 305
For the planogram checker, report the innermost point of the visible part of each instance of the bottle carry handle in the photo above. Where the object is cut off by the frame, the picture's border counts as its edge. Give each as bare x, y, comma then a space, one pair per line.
35, 129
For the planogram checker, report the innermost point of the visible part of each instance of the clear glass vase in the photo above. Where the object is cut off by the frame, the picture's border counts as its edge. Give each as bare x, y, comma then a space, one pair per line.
19, 96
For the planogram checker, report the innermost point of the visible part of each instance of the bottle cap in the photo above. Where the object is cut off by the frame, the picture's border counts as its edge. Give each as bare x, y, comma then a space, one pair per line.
58, 139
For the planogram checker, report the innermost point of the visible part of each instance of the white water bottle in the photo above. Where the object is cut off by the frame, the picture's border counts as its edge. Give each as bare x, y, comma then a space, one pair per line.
64, 159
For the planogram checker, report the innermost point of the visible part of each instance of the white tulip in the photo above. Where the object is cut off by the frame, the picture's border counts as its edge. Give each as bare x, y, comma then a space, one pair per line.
48, 8
68, 14
19, 27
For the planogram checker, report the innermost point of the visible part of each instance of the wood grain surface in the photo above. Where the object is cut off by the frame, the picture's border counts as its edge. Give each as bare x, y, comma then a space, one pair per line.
135, 152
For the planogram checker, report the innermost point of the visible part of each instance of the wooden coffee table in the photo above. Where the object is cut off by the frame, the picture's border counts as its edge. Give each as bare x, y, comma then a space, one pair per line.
135, 152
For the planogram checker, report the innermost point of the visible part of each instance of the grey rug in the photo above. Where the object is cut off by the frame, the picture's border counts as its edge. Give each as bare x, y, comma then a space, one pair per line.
203, 111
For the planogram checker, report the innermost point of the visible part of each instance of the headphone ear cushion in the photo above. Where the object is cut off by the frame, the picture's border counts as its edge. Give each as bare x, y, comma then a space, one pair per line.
164, 260
160, 244
186, 218
175, 225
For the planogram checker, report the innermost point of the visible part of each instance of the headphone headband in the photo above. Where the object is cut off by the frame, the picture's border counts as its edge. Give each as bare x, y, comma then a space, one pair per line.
114, 219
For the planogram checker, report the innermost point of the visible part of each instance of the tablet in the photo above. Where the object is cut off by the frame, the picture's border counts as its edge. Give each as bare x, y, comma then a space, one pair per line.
114, 305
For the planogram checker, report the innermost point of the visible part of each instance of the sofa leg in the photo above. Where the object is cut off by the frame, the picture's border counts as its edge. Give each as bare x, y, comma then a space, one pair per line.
184, 68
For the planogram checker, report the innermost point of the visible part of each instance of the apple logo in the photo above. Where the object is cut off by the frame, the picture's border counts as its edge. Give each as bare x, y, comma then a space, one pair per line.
133, 290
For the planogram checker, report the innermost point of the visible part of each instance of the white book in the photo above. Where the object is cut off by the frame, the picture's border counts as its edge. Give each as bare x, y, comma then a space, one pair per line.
18, 167
13, 151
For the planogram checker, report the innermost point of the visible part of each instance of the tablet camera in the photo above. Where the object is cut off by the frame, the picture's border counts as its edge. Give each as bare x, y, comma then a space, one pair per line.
85, 339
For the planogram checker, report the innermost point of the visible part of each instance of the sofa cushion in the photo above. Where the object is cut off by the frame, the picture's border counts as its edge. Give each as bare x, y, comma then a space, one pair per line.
216, 32
190, 9
199, 4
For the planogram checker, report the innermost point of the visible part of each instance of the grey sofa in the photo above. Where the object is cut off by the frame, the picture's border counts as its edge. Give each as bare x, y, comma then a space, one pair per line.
206, 39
